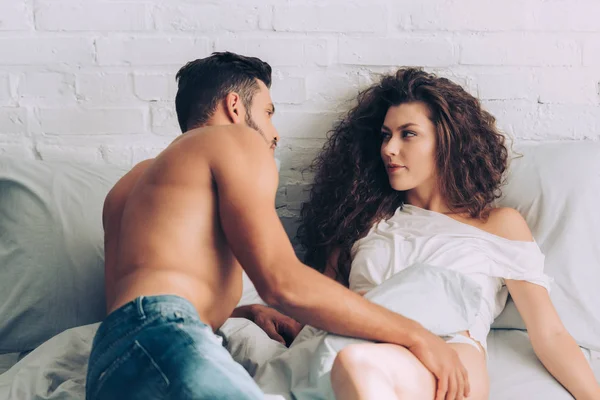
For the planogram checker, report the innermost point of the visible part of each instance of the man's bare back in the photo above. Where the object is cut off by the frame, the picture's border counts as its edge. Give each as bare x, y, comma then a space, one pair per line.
163, 233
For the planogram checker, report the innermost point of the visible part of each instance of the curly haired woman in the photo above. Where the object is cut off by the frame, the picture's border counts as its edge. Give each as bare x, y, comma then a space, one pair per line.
405, 186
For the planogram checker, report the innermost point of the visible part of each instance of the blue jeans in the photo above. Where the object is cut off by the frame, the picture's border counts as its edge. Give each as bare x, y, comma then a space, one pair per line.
157, 348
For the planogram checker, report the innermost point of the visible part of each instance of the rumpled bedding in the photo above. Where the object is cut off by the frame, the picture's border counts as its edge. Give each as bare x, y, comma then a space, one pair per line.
57, 369
443, 301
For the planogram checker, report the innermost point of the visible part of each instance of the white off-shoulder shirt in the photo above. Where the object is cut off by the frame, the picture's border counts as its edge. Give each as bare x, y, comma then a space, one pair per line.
415, 236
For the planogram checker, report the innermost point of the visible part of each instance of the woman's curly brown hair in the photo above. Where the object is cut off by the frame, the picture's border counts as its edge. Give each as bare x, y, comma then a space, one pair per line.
351, 190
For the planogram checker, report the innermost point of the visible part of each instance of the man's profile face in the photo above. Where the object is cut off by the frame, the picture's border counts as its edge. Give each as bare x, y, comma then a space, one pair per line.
260, 115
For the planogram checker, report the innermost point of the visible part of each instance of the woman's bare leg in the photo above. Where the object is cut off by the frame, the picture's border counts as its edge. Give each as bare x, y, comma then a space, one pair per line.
380, 371
387, 371
354, 376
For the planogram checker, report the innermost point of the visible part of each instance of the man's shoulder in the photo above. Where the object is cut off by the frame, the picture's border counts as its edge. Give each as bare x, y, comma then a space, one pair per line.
226, 146
131, 177
226, 153
220, 134
116, 197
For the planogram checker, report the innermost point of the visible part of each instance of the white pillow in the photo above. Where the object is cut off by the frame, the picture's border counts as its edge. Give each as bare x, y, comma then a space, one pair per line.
51, 248
556, 187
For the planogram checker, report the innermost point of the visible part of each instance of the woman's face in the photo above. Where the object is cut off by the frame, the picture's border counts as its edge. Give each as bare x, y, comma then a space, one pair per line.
408, 146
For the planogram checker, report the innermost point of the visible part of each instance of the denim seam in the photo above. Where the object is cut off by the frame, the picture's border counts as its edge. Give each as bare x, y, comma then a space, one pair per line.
112, 367
126, 333
188, 338
153, 362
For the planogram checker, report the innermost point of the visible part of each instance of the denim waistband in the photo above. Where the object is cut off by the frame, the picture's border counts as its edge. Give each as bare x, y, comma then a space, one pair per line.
144, 306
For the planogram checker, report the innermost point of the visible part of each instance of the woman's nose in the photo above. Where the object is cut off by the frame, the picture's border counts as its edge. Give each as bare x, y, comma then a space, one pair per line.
391, 148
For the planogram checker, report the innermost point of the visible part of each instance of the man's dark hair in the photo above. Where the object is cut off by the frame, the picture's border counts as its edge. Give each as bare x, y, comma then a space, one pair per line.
206, 81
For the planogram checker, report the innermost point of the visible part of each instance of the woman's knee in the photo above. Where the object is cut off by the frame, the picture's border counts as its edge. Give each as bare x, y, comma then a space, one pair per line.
356, 375
353, 361
356, 358
396, 366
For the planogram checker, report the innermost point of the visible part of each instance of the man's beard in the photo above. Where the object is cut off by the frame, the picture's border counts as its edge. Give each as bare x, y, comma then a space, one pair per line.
250, 122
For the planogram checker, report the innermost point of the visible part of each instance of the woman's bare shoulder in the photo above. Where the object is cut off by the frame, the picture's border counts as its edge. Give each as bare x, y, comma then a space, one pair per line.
508, 223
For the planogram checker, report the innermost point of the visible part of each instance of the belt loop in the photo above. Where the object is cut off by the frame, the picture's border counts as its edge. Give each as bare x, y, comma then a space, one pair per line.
140, 307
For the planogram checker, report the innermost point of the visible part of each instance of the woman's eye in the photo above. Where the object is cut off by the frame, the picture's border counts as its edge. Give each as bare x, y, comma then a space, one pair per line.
385, 135
408, 134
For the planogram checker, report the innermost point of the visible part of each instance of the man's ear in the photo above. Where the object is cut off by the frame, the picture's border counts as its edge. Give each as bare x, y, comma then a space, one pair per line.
234, 109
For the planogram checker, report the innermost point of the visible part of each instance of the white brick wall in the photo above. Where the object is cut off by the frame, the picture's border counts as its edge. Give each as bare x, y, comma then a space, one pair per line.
44, 50
5, 95
180, 17
522, 48
13, 121
15, 16
41, 87
94, 80
350, 18
92, 16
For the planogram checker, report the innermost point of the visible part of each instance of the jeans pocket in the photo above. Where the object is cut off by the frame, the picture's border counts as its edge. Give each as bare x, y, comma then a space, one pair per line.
132, 375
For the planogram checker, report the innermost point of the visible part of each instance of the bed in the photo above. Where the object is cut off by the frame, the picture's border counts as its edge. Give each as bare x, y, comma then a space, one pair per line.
51, 273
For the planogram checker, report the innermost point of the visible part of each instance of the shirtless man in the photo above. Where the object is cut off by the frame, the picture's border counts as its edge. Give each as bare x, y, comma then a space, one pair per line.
178, 231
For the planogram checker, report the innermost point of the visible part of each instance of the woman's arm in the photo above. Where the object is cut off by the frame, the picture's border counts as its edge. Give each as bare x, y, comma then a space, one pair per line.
553, 345
331, 268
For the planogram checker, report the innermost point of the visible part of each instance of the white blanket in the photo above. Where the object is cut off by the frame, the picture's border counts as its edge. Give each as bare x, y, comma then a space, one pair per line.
57, 369
443, 301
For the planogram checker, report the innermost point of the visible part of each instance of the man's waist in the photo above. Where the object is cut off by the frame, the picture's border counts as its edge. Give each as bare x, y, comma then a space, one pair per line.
201, 295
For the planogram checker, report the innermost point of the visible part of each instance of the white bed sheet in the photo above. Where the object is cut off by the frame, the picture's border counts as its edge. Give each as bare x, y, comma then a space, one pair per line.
56, 370
517, 374
7, 361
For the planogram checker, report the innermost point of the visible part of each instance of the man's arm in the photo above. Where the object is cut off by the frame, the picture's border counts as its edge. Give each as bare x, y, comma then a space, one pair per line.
278, 326
246, 179
247, 182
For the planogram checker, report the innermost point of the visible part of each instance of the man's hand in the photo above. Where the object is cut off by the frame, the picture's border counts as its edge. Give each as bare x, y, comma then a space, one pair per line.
278, 326
443, 362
